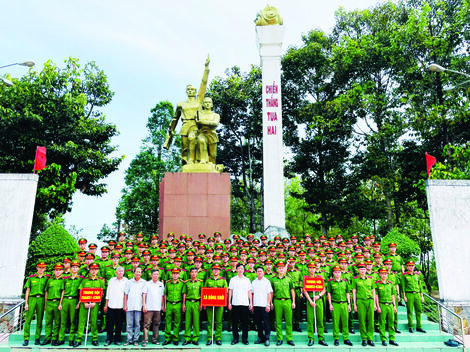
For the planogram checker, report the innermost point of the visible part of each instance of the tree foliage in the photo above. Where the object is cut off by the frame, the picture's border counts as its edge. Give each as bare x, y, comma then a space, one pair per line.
60, 109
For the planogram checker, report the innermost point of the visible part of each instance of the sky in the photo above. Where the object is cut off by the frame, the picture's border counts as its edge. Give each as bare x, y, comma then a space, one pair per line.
149, 50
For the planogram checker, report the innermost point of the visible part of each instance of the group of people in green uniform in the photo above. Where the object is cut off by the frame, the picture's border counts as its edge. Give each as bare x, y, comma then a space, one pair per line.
354, 280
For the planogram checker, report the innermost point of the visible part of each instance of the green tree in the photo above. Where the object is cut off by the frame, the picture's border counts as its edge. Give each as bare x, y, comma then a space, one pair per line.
60, 109
299, 221
139, 204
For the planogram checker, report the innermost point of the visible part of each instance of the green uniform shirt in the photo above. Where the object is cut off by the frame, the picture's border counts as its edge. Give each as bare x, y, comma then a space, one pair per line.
282, 287
192, 289
219, 282
295, 276
385, 291
338, 290
88, 282
54, 288
174, 291
396, 262
71, 286
411, 282
37, 284
250, 275
363, 287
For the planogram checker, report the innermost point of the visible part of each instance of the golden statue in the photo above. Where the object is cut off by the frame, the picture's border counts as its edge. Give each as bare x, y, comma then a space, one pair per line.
205, 137
268, 16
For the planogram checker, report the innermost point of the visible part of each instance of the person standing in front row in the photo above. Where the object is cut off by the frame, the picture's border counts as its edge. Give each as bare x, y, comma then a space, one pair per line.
114, 307
412, 291
192, 306
262, 301
240, 301
133, 306
152, 300
215, 280
386, 305
173, 304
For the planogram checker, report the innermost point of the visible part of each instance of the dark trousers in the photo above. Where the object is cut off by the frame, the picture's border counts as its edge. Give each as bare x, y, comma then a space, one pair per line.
113, 324
240, 313
263, 324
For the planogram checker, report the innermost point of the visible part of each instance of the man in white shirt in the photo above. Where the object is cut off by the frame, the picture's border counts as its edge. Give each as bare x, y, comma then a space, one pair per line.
154, 291
240, 300
262, 299
133, 306
114, 307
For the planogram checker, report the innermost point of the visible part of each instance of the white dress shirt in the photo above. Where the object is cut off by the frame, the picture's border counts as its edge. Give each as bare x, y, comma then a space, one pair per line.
115, 292
155, 292
240, 287
261, 289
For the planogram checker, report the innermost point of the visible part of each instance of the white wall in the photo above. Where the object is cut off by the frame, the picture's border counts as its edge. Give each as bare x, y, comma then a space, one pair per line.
17, 197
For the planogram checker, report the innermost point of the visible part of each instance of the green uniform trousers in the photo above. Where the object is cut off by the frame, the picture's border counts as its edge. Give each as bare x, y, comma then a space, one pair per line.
283, 308
298, 309
51, 328
387, 316
218, 314
36, 305
413, 301
340, 313
68, 314
191, 321
310, 320
173, 315
82, 318
365, 317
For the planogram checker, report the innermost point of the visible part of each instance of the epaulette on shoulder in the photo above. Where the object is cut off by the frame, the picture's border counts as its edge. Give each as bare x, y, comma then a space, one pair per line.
355, 277
403, 273
67, 277
81, 276
47, 275
222, 277
108, 266
418, 273
370, 277
34, 275
101, 278
377, 282
203, 270
345, 280
130, 269
330, 279
389, 282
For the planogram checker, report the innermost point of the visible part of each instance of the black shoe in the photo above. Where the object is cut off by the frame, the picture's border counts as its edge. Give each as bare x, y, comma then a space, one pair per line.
196, 343
267, 342
257, 342
279, 343
245, 342
77, 343
348, 342
71, 343
291, 343
371, 343
351, 331
218, 342
25, 343
298, 329
234, 342
95, 343
37, 342
229, 329
364, 343
336, 343
410, 330
325, 330
60, 343
397, 331
322, 342
45, 342
185, 343
393, 343
384, 343
166, 342
310, 343
54, 343
118, 343
176, 343
421, 330
107, 343
209, 342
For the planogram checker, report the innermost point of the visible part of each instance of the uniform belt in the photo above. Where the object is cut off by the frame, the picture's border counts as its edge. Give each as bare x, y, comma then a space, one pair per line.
37, 296
173, 302
386, 303
282, 299
53, 299
193, 300
412, 292
71, 297
339, 301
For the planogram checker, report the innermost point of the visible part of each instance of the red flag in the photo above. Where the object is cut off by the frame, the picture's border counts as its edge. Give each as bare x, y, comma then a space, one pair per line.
430, 161
40, 161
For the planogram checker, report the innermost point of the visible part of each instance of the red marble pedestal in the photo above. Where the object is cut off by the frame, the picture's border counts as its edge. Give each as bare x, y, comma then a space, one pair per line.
192, 203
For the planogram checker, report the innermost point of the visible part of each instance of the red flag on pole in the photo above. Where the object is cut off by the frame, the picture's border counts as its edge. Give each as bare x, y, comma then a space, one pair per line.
40, 161
430, 161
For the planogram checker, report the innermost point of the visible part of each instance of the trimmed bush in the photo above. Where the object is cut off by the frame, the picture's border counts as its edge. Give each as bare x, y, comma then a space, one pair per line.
406, 247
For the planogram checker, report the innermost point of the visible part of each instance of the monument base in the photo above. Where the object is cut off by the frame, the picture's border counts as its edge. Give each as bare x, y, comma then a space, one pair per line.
193, 203
202, 168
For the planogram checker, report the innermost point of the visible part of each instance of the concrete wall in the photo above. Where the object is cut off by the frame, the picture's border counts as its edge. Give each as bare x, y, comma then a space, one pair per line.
17, 197
449, 212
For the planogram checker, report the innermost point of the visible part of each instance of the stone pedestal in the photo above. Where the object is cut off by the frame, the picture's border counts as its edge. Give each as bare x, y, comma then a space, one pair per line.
194, 203
17, 197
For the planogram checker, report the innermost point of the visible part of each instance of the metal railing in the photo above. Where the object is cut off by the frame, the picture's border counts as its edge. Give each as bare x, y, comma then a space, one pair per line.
449, 321
12, 320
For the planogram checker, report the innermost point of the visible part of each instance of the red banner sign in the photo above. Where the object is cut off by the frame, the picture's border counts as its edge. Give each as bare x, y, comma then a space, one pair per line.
213, 297
314, 284
91, 295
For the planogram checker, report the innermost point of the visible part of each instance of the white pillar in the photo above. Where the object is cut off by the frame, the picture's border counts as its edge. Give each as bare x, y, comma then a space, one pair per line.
270, 44
17, 198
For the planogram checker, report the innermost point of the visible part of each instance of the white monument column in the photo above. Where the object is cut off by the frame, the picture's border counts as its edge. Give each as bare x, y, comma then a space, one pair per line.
269, 39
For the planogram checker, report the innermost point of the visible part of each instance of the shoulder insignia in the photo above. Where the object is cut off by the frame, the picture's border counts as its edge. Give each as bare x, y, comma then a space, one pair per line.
47, 275
403, 273
389, 282
34, 275
330, 279
345, 280
81, 277
99, 277
377, 282
355, 277
67, 277
370, 277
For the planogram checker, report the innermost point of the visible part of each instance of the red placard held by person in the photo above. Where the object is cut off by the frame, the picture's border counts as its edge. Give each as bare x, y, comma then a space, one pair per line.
213, 297
91, 295
315, 284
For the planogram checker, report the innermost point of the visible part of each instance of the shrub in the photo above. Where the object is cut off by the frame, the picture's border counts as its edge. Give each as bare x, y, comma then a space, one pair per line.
406, 247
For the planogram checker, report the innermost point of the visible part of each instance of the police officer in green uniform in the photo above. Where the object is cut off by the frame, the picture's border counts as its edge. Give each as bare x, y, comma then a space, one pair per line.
363, 298
173, 303
296, 277
314, 309
54, 288
34, 298
92, 281
412, 291
215, 280
192, 307
69, 303
386, 306
340, 305
284, 303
